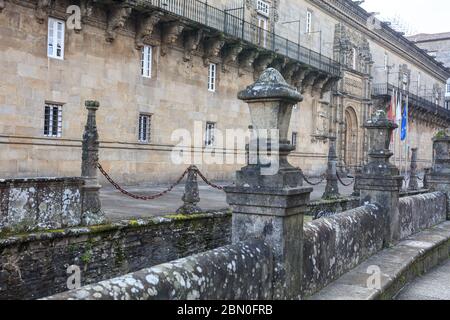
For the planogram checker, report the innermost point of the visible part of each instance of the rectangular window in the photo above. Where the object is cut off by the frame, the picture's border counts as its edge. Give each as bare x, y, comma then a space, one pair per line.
212, 77
308, 21
262, 31
263, 7
448, 88
144, 128
53, 120
55, 40
146, 62
210, 134
294, 139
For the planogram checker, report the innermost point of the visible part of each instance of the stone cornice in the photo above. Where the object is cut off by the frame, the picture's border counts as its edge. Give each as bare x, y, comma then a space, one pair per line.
357, 17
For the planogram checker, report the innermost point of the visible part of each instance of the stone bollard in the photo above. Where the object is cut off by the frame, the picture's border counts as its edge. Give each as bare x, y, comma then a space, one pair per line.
332, 187
356, 190
427, 172
191, 194
380, 181
413, 181
439, 177
268, 199
92, 209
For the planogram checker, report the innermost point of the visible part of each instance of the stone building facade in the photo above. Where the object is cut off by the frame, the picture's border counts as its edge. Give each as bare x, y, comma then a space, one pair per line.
437, 45
160, 66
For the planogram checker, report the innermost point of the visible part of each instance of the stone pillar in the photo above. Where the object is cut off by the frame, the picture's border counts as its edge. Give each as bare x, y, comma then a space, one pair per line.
92, 209
191, 194
427, 172
270, 204
332, 188
439, 177
380, 181
413, 181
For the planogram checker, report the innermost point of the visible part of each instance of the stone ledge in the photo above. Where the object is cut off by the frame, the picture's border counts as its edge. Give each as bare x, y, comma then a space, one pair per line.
399, 265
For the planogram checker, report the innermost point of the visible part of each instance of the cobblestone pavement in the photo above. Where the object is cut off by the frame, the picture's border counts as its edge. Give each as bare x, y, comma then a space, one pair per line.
118, 206
435, 285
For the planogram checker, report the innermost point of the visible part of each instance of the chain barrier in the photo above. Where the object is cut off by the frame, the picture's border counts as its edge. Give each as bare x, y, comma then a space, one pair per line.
342, 182
209, 183
322, 179
138, 197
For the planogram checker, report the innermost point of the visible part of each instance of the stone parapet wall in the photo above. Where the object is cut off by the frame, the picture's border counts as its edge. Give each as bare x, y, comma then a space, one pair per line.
335, 245
237, 272
35, 265
422, 212
40, 203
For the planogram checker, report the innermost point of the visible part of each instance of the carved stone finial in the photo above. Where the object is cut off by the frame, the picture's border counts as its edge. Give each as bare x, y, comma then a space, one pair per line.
413, 181
261, 63
117, 18
231, 54
42, 9
145, 28
170, 33
212, 47
332, 187
191, 43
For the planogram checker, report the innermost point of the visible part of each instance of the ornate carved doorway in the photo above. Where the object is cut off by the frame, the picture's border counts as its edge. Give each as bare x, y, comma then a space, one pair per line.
351, 139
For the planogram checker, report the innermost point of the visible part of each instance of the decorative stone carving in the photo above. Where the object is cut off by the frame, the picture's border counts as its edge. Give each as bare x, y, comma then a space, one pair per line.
289, 69
170, 33
231, 54
319, 82
118, 16
352, 49
42, 10
145, 28
279, 63
299, 76
328, 85
261, 63
192, 40
212, 47
308, 81
247, 58
2, 5
87, 8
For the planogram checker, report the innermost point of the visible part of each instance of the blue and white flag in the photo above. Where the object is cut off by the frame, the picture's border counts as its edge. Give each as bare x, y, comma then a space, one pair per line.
404, 130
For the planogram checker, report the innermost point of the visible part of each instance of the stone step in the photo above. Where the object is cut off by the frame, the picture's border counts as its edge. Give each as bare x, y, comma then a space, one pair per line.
398, 266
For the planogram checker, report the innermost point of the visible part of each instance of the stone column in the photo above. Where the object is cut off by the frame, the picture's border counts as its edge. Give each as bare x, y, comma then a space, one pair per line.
332, 188
380, 181
439, 177
270, 204
92, 209
191, 194
413, 181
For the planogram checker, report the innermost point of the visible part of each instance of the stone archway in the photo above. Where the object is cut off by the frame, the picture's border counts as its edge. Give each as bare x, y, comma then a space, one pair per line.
351, 131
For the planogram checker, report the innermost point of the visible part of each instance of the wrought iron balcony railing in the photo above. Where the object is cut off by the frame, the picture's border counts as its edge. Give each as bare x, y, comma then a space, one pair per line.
425, 104
236, 27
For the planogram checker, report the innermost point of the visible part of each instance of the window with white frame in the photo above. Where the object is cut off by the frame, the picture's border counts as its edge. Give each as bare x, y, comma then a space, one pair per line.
212, 72
263, 7
210, 134
448, 87
146, 62
308, 21
262, 30
53, 120
55, 39
144, 128
294, 139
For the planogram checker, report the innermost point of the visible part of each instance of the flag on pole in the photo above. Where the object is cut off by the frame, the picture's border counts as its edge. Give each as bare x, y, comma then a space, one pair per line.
404, 121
